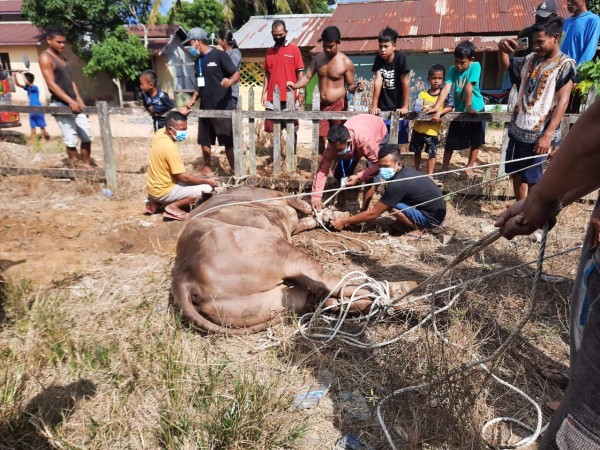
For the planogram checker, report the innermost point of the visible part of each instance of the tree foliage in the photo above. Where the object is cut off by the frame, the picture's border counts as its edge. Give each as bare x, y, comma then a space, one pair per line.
121, 55
237, 12
84, 21
207, 14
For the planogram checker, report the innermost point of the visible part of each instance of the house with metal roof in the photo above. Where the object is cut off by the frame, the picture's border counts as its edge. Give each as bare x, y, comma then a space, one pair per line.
19, 38
254, 38
430, 29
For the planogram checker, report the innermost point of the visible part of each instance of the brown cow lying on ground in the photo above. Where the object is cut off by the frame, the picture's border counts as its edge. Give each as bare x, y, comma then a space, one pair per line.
236, 269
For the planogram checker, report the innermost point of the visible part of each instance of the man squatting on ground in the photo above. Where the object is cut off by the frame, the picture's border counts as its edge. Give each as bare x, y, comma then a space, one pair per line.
416, 204
572, 175
361, 136
215, 73
283, 64
335, 72
57, 73
547, 77
167, 182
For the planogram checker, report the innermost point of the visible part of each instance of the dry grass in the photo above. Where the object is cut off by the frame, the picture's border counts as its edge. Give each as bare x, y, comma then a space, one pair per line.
96, 359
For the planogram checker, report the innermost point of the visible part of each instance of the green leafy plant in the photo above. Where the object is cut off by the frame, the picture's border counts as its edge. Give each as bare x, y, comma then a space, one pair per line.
589, 75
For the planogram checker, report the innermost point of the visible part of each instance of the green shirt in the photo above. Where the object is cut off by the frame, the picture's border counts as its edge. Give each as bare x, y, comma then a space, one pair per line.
458, 80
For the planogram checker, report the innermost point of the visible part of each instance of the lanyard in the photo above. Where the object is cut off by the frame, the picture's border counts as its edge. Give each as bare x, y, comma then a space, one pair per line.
344, 168
201, 60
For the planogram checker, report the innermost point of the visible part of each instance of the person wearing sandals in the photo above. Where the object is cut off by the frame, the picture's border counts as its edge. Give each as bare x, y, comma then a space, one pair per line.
57, 73
417, 204
167, 182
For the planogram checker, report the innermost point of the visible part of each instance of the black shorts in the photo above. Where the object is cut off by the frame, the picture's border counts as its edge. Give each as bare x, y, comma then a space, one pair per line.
462, 135
209, 130
420, 140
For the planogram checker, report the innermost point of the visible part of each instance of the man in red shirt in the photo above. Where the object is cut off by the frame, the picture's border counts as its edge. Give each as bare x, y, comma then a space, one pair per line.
283, 63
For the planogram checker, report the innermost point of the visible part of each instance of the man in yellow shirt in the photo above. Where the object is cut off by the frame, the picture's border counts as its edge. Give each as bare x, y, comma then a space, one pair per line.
167, 182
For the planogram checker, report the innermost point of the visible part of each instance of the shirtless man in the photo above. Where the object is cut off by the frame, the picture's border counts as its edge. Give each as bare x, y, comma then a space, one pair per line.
336, 74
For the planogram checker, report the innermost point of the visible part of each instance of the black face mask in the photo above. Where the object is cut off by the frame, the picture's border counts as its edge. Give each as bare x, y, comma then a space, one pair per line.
279, 41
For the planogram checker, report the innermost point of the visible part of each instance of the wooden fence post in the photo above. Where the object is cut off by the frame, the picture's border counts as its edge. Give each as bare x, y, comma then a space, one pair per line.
316, 106
394, 119
276, 133
110, 162
251, 133
512, 102
290, 135
237, 123
591, 98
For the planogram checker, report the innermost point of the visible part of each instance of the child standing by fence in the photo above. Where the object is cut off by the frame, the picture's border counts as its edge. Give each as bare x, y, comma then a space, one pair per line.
426, 134
156, 101
33, 93
463, 80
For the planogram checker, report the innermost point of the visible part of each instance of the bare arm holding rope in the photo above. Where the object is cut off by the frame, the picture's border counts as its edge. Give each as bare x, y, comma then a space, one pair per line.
572, 174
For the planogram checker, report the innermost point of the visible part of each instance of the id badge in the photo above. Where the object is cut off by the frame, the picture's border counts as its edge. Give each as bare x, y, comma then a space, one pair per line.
344, 182
201, 82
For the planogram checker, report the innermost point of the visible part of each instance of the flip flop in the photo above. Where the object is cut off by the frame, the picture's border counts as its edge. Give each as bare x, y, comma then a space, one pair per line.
414, 236
556, 376
175, 216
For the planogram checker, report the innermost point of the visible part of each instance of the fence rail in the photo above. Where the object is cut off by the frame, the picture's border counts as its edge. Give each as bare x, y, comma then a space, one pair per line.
239, 116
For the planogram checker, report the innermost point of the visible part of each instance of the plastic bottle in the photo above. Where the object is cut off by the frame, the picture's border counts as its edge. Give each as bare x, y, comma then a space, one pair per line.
107, 192
418, 104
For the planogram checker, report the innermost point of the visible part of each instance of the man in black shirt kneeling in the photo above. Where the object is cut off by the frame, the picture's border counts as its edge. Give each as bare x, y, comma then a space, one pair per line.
416, 203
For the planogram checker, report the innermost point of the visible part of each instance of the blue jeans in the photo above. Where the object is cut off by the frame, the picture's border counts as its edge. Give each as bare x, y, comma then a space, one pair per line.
414, 215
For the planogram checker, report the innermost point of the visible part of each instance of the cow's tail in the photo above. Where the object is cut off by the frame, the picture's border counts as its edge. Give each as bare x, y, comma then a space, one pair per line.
182, 298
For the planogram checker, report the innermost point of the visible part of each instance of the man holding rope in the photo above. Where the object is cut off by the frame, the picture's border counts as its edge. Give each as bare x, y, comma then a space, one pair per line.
416, 202
572, 174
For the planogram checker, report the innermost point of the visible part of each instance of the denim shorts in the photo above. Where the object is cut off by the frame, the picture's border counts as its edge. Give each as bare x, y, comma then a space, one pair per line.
37, 120
420, 140
517, 150
414, 215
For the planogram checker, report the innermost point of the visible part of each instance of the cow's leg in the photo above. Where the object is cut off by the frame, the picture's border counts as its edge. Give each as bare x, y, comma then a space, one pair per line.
253, 310
305, 224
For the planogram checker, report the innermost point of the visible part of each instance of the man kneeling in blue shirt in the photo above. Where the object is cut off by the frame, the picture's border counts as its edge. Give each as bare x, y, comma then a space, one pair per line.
416, 203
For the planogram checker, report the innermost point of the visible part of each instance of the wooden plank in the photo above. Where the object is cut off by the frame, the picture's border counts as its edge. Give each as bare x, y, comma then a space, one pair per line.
251, 134
59, 173
110, 160
276, 133
512, 101
393, 138
591, 98
237, 124
316, 106
290, 157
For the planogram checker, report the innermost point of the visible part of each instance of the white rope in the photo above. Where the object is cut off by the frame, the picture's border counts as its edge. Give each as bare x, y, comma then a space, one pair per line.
360, 186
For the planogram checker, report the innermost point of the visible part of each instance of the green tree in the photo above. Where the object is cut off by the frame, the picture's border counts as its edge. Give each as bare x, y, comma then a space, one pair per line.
237, 12
594, 6
207, 14
85, 21
121, 55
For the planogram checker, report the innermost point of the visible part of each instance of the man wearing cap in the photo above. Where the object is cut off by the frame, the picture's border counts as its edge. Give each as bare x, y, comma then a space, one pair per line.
335, 72
545, 12
215, 73
414, 200
361, 136
582, 31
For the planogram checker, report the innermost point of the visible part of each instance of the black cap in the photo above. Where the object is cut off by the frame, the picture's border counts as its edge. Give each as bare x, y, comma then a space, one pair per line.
547, 8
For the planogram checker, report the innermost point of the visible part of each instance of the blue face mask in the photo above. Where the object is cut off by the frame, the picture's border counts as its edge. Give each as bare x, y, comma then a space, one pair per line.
345, 151
193, 52
180, 135
386, 173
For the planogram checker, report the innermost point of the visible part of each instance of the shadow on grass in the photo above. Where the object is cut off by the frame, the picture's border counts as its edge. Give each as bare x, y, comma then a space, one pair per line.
24, 428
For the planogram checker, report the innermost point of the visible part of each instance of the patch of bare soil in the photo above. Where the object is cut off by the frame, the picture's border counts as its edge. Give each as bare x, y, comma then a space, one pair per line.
105, 338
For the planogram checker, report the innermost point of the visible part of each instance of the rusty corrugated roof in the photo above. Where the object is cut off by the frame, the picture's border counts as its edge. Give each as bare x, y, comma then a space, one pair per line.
431, 18
154, 32
256, 33
11, 6
430, 44
19, 33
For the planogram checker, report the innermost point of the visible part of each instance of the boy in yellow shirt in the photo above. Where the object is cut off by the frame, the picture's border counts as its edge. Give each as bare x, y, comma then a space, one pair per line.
426, 134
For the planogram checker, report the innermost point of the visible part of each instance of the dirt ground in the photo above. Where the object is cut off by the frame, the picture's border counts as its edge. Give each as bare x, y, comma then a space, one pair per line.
93, 247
